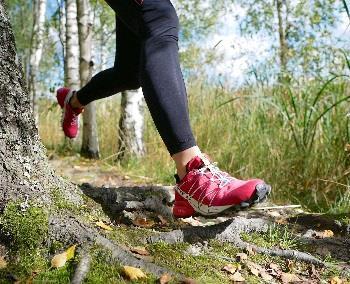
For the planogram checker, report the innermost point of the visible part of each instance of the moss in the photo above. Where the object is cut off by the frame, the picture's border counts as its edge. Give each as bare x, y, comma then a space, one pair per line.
105, 270
27, 229
60, 202
203, 268
129, 236
276, 236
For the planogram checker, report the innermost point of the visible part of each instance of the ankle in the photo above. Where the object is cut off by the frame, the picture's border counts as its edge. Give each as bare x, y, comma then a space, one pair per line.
182, 158
74, 102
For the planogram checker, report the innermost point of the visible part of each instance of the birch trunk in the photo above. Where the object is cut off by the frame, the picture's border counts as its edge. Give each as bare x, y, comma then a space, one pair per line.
131, 125
72, 47
90, 146
36, 51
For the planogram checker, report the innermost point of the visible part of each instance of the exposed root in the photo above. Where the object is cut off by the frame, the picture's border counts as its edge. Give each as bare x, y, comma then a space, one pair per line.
68, 229
229, 231
126, 258
82, 268
115, 200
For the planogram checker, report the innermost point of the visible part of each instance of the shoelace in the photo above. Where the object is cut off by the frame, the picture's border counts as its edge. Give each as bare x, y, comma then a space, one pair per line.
217, 175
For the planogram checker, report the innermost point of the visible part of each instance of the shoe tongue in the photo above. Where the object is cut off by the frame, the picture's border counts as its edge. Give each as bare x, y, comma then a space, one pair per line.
195, 163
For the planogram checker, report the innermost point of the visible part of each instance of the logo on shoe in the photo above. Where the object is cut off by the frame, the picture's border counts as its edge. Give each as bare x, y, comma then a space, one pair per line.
201, 207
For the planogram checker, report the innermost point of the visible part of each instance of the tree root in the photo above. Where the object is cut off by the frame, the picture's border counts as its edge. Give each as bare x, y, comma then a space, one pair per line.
68, 229
229, 231
82, 268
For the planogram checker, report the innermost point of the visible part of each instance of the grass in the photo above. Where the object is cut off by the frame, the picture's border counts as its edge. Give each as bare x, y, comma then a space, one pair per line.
292, 136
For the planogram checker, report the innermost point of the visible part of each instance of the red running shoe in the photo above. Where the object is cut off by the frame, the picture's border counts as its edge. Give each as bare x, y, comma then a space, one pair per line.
208, 191
70, 116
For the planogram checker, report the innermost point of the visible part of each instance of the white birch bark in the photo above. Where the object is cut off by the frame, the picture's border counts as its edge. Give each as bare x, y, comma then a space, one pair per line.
90, 146
131, 125
36, 51
71, 71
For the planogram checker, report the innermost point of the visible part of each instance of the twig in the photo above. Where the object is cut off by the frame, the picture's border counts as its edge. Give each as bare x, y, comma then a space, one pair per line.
275, 207
82, 268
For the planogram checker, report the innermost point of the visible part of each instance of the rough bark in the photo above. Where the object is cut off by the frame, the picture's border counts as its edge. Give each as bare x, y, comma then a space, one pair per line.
72, 47
131, 125
90, 146
24, 169
36, 52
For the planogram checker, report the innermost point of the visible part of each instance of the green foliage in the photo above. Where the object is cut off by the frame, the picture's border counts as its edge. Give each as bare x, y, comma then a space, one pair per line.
306, 28
27, 229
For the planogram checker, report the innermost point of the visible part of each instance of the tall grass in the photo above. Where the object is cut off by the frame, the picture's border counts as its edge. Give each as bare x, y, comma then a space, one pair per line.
293, 137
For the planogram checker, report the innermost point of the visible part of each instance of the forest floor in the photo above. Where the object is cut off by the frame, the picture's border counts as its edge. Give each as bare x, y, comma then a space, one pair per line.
264, 244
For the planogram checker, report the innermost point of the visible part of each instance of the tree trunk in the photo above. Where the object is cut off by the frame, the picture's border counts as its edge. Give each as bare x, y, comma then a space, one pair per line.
90, 146
131, 125
36, 52
72, 47
24, 170
283, 52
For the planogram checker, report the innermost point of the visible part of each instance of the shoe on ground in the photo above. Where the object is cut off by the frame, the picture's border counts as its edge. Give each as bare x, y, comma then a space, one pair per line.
70, 116
206, 190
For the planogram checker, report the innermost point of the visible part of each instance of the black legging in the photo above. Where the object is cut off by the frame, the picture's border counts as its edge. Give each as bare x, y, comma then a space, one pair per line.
147, 56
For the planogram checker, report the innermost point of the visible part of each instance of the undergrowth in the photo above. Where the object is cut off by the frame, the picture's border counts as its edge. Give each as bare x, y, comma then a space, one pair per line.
295, 137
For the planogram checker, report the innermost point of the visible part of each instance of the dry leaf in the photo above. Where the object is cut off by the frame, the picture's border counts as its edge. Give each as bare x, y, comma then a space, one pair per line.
143, 222
254, 271
139, 250
165, 278
274, 266
59, 260
241, 256
162, 220
250, 250
237, 277
328, 234
289, 278
3, 263
336, 280
230, 268
188, 281
133, 273
103, 226
264, 275
290, 265
70, 252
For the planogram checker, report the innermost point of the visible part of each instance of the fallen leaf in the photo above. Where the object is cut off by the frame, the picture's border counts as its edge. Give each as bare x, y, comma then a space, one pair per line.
139, 250
241, 256
164, 279
188, 281
133, 273
70, 252
3, 263
229, 268
274, 266
250, 250
254, 271
336, 280
323, 234
289, 278
237, 277
103, 226
59, 260
143, 222
162, 220
328, 234
264, 275
290, 265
